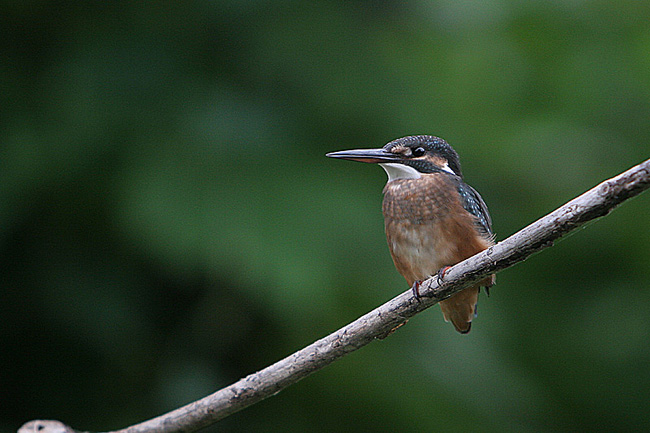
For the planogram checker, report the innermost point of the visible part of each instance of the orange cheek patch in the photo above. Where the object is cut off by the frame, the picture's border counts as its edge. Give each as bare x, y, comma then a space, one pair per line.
438, 161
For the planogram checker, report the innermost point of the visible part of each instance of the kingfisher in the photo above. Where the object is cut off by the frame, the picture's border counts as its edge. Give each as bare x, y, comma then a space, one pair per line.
432, 218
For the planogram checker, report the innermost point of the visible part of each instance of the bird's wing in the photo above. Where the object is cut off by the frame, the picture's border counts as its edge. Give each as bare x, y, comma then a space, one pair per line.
474, 204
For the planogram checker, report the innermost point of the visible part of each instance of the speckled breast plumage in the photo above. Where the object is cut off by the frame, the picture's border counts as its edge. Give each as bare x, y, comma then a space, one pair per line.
428, 228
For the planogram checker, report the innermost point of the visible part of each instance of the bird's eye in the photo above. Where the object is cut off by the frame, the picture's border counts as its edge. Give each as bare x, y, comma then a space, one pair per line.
418, 151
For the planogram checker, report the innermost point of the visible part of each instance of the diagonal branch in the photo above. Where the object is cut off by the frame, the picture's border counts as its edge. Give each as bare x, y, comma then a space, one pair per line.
380, 322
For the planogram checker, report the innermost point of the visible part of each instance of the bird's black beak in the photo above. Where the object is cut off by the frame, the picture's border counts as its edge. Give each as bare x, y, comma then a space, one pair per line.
366, 155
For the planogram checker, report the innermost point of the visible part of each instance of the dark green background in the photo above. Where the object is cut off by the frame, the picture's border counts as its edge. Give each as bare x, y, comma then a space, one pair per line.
169, 223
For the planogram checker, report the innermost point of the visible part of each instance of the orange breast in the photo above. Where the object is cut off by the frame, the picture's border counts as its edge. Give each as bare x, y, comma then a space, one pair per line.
427, 227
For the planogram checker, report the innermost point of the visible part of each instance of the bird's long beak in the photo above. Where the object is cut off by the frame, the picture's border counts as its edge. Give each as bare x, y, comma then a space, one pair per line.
366, 155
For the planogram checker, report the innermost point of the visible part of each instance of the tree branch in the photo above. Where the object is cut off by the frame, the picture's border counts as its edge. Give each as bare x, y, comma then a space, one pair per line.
382, 321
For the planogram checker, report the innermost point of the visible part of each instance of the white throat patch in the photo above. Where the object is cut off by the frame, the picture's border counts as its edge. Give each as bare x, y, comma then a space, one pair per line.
400, 171
447, 169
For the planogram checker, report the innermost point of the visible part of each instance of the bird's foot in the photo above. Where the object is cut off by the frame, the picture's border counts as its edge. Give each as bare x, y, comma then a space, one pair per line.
441, 274
415, 288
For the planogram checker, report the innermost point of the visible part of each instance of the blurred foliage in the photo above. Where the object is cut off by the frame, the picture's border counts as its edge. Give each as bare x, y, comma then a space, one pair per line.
169, 223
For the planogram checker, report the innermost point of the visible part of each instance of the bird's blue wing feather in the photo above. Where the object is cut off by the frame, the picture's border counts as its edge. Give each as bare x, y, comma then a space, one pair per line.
474, 204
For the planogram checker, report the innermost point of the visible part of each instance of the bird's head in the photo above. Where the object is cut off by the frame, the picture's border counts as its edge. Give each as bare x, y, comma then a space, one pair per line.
409, 157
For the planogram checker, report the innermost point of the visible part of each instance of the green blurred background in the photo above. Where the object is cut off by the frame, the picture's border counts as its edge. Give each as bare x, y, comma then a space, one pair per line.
169, 223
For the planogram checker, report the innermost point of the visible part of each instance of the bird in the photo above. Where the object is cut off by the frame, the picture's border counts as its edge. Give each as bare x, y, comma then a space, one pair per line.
432, 218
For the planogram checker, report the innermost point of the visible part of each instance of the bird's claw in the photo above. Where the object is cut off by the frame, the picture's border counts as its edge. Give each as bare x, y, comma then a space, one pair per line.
415, 288
441, 274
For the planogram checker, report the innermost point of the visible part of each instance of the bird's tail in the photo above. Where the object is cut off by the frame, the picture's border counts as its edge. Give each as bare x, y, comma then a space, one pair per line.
460, 309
